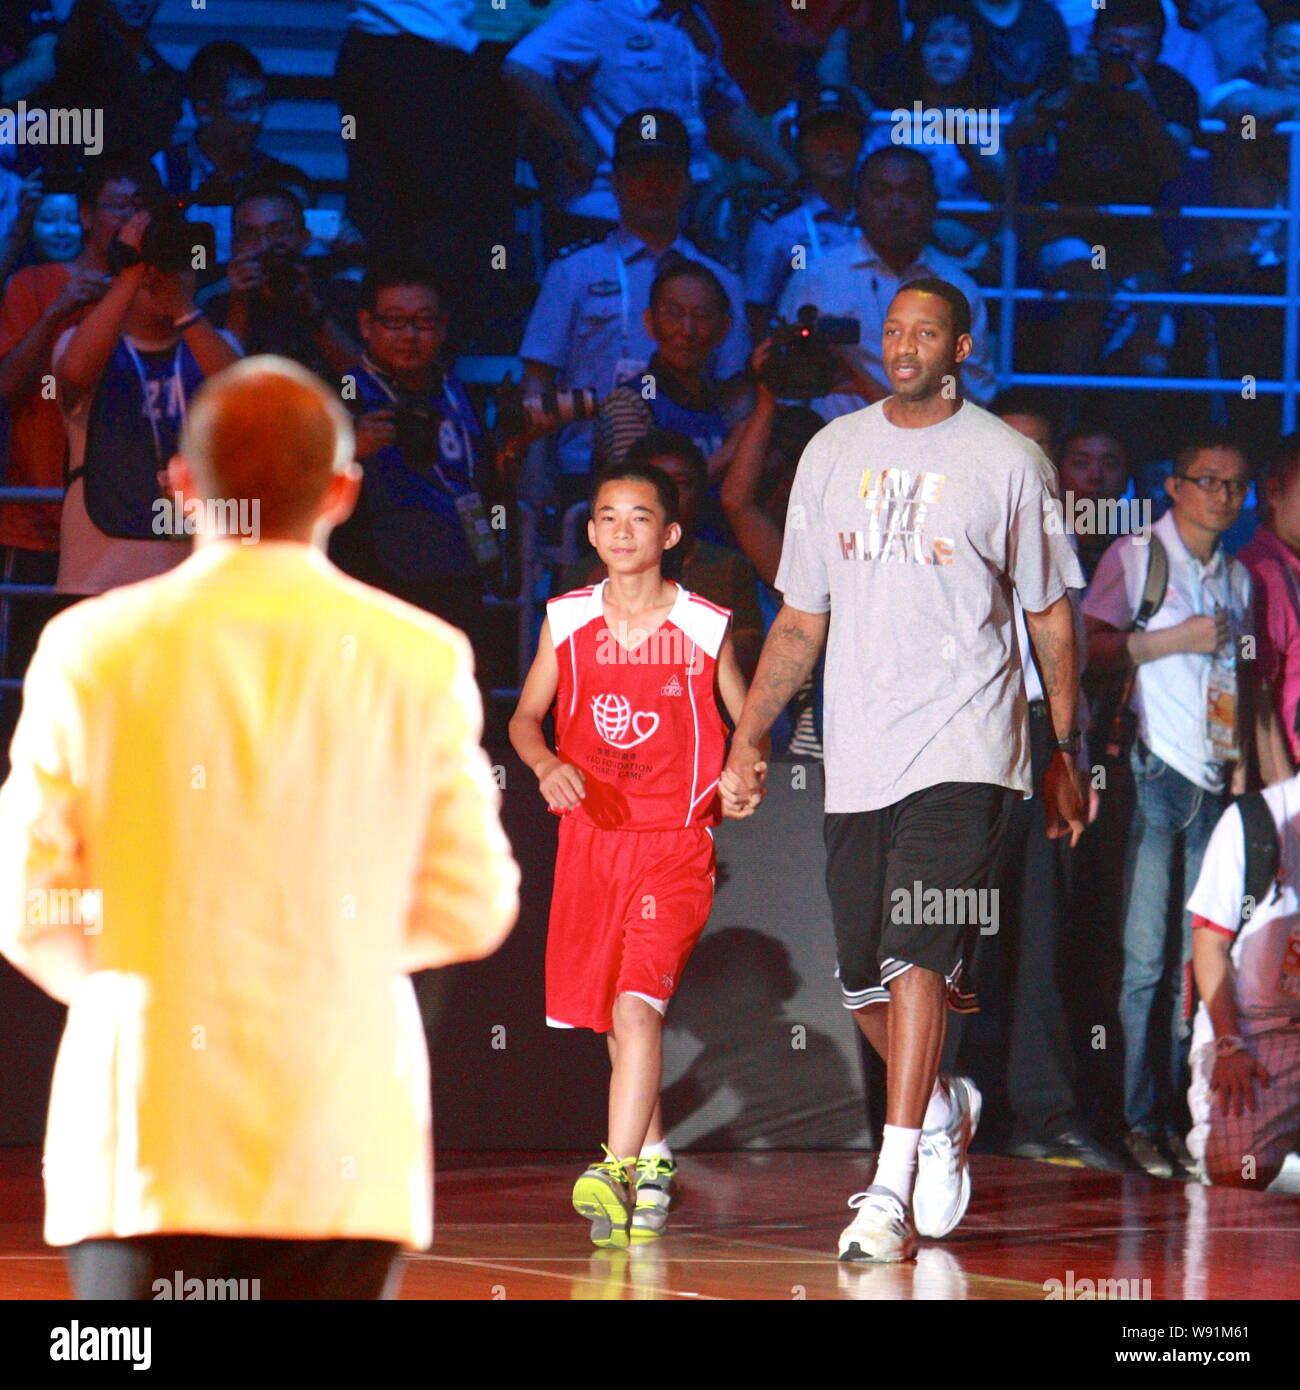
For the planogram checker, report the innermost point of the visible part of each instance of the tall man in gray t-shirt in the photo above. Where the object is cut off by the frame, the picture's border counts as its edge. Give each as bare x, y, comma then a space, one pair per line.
910, 523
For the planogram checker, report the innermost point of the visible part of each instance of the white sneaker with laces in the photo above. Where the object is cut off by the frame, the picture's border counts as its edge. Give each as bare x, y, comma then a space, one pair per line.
942, 1191
881, 1233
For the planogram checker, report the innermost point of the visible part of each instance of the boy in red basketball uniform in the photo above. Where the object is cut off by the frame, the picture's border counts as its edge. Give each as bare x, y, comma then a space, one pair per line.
631, 666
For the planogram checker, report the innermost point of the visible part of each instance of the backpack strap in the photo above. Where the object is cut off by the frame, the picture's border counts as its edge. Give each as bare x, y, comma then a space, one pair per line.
1153, 595
1262, 853
1157, 582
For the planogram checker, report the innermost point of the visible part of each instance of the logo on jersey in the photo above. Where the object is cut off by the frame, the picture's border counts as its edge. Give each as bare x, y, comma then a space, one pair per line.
674, 686
616, 723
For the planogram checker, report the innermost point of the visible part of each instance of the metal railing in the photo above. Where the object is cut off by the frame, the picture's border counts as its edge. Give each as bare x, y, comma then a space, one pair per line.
1008, 295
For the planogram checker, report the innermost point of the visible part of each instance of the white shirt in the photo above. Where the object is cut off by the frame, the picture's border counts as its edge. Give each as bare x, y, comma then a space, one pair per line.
1171, 694
271, 776
1260, 949
854, 281
448, 22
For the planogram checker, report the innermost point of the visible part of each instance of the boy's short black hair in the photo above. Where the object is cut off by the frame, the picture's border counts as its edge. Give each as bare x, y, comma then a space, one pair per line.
631, 472
903, 152
212, 67
655, 444
1130, 14
954, 298
279, 192
395, 271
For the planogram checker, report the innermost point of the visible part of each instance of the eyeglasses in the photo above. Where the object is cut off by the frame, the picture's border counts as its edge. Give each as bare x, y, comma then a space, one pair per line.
395, 323
1229, 487
121, 205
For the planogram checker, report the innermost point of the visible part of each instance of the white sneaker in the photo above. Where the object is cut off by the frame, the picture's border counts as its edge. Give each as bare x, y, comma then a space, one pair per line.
881, 1232
942, 1191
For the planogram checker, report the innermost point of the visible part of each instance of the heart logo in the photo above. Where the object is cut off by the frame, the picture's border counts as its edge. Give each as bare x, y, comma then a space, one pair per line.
640, 736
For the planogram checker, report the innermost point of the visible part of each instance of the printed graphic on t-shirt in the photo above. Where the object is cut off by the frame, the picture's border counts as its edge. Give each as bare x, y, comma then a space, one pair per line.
899, 525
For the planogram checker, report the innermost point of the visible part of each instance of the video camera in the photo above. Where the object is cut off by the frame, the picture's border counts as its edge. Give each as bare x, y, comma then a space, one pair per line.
168, 243
801, 364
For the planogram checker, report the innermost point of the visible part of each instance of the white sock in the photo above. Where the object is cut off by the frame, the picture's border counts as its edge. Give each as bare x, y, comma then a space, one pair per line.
659, 1150
939, 1112
896, 1168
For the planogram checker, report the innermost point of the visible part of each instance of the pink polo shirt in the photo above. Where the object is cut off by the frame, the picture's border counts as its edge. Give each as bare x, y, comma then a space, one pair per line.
1276, 572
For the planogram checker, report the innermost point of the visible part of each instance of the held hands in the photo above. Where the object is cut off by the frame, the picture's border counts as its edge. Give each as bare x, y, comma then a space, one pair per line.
562, 784
1234, 1080
741, 786
1063, 799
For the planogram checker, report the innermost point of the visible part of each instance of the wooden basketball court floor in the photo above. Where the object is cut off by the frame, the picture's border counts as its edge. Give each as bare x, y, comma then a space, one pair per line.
764, 1226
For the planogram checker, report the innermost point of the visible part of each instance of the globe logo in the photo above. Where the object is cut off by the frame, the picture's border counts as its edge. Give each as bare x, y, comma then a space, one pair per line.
616, 723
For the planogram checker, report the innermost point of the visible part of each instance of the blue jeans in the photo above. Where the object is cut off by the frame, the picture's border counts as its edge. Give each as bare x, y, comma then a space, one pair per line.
1171, 814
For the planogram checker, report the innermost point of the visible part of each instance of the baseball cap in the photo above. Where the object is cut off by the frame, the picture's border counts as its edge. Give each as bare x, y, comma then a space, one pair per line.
652, 130
829, 101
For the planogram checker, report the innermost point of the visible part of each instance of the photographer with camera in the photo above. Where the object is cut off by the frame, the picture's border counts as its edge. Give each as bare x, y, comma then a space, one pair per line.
271, 300
420, 529
1122, 129
227, 90
123, 378
896, 201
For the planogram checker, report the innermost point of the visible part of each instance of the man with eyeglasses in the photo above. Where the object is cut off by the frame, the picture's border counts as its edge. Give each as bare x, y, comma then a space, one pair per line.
270, 299
420, 530
1197, 716
227, 91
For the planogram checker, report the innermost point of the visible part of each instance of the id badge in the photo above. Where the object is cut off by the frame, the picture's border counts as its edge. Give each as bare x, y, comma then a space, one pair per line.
1221, 713
1288, 980
626, 368
474, 523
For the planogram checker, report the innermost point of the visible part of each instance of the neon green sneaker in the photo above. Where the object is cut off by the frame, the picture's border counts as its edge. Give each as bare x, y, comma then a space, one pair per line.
655, 1181
604, 1194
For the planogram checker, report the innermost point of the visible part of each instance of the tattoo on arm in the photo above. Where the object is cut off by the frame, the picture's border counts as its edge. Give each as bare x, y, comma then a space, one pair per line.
789, 655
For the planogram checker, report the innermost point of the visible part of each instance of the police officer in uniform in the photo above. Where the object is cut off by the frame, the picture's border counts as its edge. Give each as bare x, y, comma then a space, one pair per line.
587, 327
820, 214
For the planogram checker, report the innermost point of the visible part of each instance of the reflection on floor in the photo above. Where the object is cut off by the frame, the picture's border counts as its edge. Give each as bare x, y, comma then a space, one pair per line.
764, 1226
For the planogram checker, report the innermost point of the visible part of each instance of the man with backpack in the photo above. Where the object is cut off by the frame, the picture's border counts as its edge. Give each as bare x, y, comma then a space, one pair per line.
1189, 642
1245, 1091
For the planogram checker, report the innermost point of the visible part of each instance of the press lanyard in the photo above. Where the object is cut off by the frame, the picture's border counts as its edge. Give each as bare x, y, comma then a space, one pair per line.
453, 415
149, 412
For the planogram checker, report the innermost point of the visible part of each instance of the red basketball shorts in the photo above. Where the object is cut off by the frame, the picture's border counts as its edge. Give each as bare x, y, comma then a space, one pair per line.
627, 908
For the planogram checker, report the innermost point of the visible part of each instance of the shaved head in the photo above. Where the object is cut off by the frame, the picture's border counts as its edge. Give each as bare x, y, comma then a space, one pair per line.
266, 429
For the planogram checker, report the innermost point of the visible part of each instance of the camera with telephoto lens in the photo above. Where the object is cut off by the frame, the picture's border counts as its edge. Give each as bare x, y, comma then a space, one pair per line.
519, 416
1116, 68
800, 363
167, 244
280, 269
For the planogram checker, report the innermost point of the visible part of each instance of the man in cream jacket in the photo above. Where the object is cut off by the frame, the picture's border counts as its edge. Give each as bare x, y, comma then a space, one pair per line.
247, 798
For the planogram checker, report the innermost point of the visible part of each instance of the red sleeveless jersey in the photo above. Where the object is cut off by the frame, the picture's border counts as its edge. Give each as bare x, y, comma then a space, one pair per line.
642, 725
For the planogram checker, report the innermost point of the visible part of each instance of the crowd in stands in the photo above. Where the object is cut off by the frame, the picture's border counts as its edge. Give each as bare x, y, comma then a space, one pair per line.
637, 200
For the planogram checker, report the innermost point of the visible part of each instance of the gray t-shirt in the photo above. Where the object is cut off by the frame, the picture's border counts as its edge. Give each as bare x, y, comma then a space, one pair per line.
913, 540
